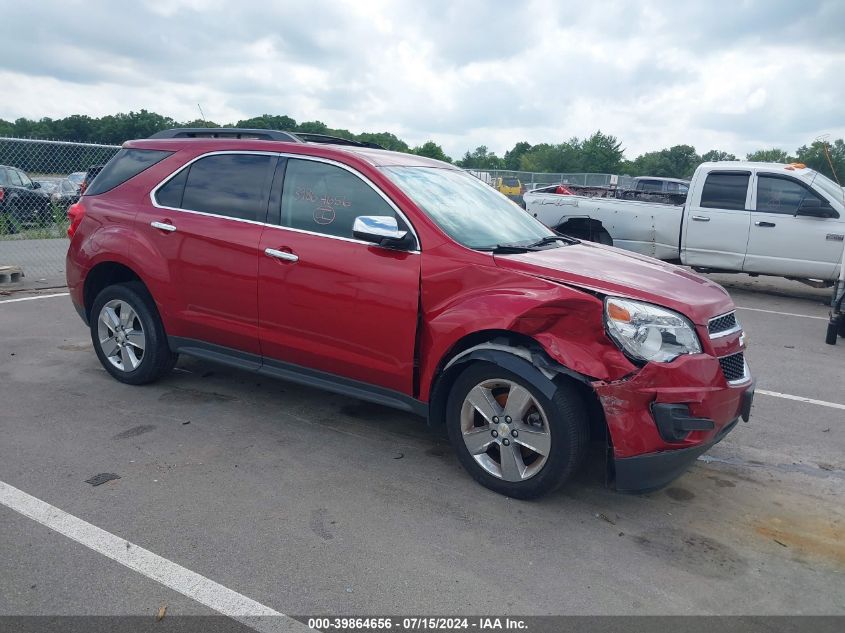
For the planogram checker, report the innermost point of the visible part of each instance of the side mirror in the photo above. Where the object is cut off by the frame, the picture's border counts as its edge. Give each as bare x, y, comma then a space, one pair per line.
36, 184
813, 207
382, 230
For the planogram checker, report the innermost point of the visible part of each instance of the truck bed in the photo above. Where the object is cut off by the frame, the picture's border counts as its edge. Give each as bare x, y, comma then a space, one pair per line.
650, 228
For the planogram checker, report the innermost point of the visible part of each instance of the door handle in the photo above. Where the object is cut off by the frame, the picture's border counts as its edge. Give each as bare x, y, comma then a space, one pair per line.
701, 218
765, 224
163, 226
289, 257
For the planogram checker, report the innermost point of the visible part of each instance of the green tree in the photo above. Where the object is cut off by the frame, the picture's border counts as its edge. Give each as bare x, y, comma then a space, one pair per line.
481, 158
678, 161
770, 156
123, 126
513, 156
431, 149
312, 127
199, 123
601, 154
561, 158
815, 157
268, 122
716, 155
387, 140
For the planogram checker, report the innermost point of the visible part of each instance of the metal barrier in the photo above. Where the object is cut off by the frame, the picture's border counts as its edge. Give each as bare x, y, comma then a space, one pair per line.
39, 180
533, 180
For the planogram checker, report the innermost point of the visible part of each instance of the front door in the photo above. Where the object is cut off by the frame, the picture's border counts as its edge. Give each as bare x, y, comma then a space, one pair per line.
327, 301
781, 242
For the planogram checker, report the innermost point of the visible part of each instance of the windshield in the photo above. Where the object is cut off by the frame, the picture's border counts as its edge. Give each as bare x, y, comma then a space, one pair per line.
828, 186
470, 212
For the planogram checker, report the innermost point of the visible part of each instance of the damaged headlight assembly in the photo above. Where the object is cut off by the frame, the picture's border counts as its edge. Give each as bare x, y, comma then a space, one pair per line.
648, 332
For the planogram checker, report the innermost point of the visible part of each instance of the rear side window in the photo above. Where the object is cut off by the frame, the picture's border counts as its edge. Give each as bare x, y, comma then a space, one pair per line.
231, 185
3, 179
170, 195
725, 190
123, 166
650, 186
14, 178
325, 199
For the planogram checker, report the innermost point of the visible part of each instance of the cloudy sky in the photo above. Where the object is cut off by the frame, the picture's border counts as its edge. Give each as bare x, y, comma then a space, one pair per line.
738, 75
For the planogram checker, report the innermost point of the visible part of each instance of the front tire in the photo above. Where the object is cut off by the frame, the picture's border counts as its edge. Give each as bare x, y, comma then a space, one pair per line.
128, 335
509, 436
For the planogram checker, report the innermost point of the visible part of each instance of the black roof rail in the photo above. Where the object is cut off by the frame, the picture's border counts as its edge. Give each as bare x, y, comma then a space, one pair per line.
260, 134
227, 132
308, 137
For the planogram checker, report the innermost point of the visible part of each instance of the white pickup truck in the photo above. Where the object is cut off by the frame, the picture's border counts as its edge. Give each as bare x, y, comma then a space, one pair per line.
757, 218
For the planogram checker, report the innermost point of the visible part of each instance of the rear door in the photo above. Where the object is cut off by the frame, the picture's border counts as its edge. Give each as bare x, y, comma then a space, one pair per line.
327, 301
716, 223
784, 243
206, 222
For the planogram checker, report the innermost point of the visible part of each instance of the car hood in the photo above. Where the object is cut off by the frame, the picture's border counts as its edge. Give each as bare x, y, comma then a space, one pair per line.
608, 270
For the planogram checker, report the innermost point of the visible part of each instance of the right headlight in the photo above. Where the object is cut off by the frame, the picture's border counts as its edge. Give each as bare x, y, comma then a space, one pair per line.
648, 332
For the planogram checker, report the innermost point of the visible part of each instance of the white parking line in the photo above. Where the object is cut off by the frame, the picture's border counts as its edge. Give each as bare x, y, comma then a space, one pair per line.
786, 396
805, 316
145, 562
60, 294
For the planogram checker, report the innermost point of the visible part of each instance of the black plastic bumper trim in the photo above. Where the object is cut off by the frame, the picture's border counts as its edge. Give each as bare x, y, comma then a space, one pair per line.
674, 421
646, 473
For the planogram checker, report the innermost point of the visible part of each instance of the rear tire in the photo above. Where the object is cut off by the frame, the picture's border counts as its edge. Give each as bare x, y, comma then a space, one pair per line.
128, 335
509, 436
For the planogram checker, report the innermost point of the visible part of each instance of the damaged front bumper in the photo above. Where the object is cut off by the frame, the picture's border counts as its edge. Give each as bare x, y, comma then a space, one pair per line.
662, 418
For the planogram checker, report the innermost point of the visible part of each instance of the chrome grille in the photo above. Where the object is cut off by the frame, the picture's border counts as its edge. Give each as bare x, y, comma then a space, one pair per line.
722, 324
733, 366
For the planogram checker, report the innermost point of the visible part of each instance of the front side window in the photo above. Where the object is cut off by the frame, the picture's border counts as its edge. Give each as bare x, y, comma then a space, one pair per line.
725, 190
470, 212
230, 185
781, 195
326, 199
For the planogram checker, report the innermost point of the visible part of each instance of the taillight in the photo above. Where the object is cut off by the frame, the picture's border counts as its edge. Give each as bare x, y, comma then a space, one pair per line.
2, 194
75, 213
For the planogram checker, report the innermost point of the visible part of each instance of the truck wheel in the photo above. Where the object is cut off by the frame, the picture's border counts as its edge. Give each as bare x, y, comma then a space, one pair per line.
509, 436
128, 335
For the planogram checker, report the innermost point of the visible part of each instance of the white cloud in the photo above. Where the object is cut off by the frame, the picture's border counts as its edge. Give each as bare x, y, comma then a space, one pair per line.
731, 75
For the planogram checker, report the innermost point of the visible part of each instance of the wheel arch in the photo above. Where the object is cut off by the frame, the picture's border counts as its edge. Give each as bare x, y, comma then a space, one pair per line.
584, 228
102, 275
520, 354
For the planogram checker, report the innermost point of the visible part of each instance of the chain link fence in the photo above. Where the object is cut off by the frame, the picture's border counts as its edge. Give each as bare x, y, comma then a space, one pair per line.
532, 180
39, 180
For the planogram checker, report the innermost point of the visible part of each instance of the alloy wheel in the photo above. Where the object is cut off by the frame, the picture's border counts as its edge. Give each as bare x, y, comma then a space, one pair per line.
505, 430
121, 335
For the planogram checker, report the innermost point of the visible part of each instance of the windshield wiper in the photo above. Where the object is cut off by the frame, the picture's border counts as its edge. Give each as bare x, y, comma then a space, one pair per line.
554, 238
504, 249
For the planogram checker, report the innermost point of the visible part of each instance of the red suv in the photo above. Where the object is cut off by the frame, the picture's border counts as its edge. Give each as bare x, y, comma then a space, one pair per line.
407, 282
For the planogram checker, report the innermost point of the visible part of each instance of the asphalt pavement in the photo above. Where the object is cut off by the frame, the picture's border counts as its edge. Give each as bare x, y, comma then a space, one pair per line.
311, 503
